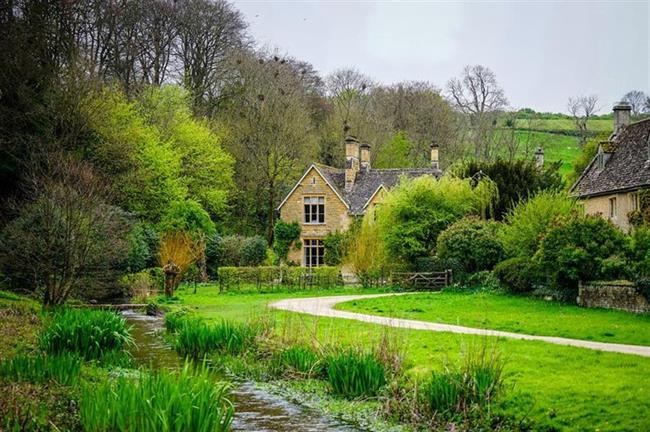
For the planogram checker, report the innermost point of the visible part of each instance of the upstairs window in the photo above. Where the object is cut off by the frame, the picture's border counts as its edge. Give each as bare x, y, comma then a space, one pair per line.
314, 210
612, 208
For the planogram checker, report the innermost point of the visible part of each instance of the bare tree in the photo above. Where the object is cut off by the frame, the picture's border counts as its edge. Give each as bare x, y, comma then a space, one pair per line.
271, 130
477, 94
637, 99
208, 32
66, 233
582, 108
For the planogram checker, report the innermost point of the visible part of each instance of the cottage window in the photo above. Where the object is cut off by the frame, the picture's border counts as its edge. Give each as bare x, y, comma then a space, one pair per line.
601, 161
314, 210
634, 201
612, 208
314, 252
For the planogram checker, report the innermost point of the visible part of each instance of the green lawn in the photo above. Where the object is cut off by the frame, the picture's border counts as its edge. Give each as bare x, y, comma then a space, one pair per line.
559, 387
513, 314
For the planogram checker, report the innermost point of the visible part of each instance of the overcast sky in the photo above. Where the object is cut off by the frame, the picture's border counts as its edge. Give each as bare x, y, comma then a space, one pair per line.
541, 51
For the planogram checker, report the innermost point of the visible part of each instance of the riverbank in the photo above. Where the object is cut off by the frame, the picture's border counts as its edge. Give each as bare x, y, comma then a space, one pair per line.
558, 387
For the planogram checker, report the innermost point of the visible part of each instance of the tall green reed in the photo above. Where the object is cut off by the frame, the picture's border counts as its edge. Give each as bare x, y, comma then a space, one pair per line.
91, 333
62, 368
355, 374
197, 339
158, 401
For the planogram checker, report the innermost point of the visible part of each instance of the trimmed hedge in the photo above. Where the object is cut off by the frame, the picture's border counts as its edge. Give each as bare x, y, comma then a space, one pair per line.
271, 276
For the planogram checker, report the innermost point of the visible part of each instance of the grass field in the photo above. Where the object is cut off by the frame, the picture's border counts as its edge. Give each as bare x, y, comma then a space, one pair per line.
557, 387
513, 314
596, 125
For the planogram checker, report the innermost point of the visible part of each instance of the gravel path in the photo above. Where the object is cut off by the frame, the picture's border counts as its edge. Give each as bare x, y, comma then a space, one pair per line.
324, 306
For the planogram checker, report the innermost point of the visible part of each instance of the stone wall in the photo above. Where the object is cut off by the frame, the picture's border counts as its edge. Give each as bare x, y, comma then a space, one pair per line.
612, 295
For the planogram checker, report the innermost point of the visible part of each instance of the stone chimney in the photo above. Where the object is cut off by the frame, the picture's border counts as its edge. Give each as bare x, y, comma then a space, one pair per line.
539, 157
622, 112
351, 161
365, 156
434, 155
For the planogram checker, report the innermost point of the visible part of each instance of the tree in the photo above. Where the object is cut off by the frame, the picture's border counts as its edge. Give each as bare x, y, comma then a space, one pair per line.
582, 108
515, 180
65, 234
637, 100
477, 94
271, 134
205, 167
209, 31
178, 252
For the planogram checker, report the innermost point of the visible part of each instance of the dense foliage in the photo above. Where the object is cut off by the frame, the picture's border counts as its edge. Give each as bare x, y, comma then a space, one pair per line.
417, 211
516, 180
526, 223
473, 243
284, 235
582, 248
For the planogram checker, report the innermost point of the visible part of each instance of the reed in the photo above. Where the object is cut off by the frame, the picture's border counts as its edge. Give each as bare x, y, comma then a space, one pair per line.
196, 339
91, 333
472, 385
355, 374
62, 368
158, 401
298, 360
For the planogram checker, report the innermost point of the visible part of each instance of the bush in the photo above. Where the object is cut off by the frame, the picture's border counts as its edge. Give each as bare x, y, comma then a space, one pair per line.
90, 333
284, 234
253, 251
473, 243
157, 401
527, 222
518, 275
477, 382
574, 249
143, 282
62, 368
355, 374
482, 281
197, 339
416, 211
639, 251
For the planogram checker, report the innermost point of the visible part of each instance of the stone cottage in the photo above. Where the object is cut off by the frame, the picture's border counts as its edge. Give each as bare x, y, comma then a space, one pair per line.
328, 199
610, 184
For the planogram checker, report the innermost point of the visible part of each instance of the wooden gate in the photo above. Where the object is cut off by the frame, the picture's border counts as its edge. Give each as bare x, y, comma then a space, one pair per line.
423, 280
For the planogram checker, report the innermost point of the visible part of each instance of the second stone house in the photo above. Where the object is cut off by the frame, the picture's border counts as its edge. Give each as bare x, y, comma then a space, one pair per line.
328, 199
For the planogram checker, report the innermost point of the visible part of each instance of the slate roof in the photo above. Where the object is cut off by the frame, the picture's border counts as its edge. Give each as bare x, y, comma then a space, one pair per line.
626, 167
367, 182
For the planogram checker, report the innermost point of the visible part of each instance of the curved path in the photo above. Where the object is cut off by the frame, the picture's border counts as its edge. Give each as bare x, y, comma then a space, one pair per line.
324, 306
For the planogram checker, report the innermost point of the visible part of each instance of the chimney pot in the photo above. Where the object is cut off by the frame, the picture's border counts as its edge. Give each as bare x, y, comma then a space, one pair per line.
539, 157
351, 161
622, 112
364, 150
434, 155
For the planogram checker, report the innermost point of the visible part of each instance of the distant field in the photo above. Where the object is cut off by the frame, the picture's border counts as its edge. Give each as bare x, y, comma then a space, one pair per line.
597, 125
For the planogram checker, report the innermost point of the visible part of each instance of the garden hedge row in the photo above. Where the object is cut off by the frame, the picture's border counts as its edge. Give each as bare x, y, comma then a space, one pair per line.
231, 277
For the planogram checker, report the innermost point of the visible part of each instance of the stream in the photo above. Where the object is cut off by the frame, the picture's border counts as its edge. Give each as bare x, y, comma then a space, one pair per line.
255, 410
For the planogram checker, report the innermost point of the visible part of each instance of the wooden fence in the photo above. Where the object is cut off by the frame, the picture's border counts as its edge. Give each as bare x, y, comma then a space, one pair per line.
422, 280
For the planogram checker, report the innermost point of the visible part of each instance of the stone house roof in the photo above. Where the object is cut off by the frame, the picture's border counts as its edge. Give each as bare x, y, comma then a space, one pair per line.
367, 183
626, 163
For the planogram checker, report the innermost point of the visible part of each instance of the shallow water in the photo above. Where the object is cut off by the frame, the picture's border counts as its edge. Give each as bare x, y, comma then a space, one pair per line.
255, 410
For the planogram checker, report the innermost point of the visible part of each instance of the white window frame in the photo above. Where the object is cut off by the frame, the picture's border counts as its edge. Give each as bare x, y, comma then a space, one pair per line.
312, 214
634, 201
313, 252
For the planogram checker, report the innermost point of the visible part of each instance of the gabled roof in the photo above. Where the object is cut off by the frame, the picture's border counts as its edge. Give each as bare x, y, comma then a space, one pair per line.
366, 183
626, 167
